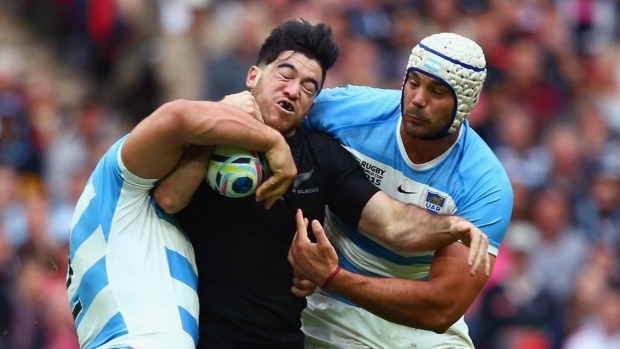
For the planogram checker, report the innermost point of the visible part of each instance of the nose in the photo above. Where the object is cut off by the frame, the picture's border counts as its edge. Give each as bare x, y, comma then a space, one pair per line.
292, 90
419, 97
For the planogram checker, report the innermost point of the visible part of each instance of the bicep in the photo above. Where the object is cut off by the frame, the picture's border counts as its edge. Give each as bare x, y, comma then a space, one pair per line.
153, 147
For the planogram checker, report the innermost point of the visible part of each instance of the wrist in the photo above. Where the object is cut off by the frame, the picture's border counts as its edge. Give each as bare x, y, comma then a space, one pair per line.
330, 277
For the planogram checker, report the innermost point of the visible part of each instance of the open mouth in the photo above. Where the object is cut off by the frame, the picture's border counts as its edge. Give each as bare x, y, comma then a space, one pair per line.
286, 106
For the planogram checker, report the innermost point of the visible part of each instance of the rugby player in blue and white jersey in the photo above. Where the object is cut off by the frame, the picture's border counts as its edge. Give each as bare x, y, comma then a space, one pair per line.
416, 145
132, 280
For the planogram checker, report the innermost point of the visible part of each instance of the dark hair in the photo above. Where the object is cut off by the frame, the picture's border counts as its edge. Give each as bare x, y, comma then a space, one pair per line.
313, 41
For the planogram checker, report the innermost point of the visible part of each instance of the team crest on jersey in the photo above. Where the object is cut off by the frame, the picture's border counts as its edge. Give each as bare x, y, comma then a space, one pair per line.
303, 178
434, 202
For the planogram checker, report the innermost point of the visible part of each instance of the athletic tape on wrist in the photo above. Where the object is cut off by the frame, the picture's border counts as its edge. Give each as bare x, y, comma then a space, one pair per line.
330, 277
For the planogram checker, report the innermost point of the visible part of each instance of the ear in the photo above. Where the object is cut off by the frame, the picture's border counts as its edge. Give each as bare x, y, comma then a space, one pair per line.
253, 75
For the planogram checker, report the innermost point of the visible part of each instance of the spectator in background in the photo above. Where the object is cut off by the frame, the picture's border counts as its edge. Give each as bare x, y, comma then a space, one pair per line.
568, 171
525, 161
446, 16
18, 147
8, 270
518, 305
598, 213
13, 211
528, 86
595, 276
178, 48
602, 331
596, 138
563, 249
225, 69
602, 84
28, 327
86, 132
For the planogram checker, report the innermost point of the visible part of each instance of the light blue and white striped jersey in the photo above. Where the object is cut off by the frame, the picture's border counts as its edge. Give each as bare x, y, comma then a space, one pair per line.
132, 280
467, 180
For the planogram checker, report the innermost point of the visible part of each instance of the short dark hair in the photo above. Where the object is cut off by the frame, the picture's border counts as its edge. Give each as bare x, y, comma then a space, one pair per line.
313, 41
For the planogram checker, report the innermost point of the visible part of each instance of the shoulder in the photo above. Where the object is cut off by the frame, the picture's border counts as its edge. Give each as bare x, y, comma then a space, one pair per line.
478, 154
338, 108
352, 96
355, 92
486, 196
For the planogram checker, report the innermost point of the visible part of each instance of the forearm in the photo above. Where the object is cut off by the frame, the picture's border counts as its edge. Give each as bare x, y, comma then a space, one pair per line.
432, 305
238, 129
405, 227
407, 302
420, 230
161, 137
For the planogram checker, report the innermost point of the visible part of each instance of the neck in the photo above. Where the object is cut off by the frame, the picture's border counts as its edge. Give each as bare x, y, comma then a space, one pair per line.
421, 151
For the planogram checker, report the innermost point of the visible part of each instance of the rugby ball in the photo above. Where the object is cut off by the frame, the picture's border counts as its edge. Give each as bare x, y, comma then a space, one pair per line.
235, 172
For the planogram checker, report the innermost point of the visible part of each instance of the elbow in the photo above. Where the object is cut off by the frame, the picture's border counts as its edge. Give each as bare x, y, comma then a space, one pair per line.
169, 117
440, 320
441, 327
166, 202
440, 323
178, 109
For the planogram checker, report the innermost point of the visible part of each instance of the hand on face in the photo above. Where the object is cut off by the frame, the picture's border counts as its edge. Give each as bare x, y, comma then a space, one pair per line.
246, 102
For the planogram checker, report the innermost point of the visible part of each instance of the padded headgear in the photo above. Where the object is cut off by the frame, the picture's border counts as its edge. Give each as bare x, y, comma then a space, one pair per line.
458, 63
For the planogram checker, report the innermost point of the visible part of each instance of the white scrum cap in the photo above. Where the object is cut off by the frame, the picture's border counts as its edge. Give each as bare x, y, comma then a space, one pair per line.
457, 62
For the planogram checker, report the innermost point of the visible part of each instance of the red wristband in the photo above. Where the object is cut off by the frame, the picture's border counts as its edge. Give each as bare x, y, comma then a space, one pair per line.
330, 277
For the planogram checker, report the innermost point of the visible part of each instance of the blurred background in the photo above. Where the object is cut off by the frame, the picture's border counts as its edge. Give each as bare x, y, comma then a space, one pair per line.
77, 74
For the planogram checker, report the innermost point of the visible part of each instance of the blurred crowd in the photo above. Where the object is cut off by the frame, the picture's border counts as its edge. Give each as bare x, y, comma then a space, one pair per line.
550, 110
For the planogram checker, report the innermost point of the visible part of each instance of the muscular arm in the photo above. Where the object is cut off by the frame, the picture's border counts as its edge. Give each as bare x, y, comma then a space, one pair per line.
175, 190
157, 143
406, 227
432, 305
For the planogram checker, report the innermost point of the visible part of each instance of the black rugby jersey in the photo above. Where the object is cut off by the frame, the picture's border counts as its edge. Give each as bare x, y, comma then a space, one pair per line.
241, 248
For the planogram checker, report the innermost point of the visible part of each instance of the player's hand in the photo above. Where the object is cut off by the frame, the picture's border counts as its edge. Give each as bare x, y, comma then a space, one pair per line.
311, 261
478, 243
302, 287
246, 102
283, 172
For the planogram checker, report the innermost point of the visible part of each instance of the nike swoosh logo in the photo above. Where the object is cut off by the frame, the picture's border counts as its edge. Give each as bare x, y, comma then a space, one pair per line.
401, 190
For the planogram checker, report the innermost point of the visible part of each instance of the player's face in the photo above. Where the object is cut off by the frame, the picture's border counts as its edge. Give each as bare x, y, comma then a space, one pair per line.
427, 104
285, 90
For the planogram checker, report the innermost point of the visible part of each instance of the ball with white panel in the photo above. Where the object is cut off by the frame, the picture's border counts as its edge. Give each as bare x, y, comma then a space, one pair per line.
235, 172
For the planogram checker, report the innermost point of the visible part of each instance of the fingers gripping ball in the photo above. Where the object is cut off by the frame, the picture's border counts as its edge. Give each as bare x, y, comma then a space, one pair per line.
235, 172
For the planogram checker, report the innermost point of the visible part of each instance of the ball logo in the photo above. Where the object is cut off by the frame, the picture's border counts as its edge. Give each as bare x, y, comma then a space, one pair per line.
234, 172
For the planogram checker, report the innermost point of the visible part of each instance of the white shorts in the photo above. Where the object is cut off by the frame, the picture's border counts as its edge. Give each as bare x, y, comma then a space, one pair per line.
329, 323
